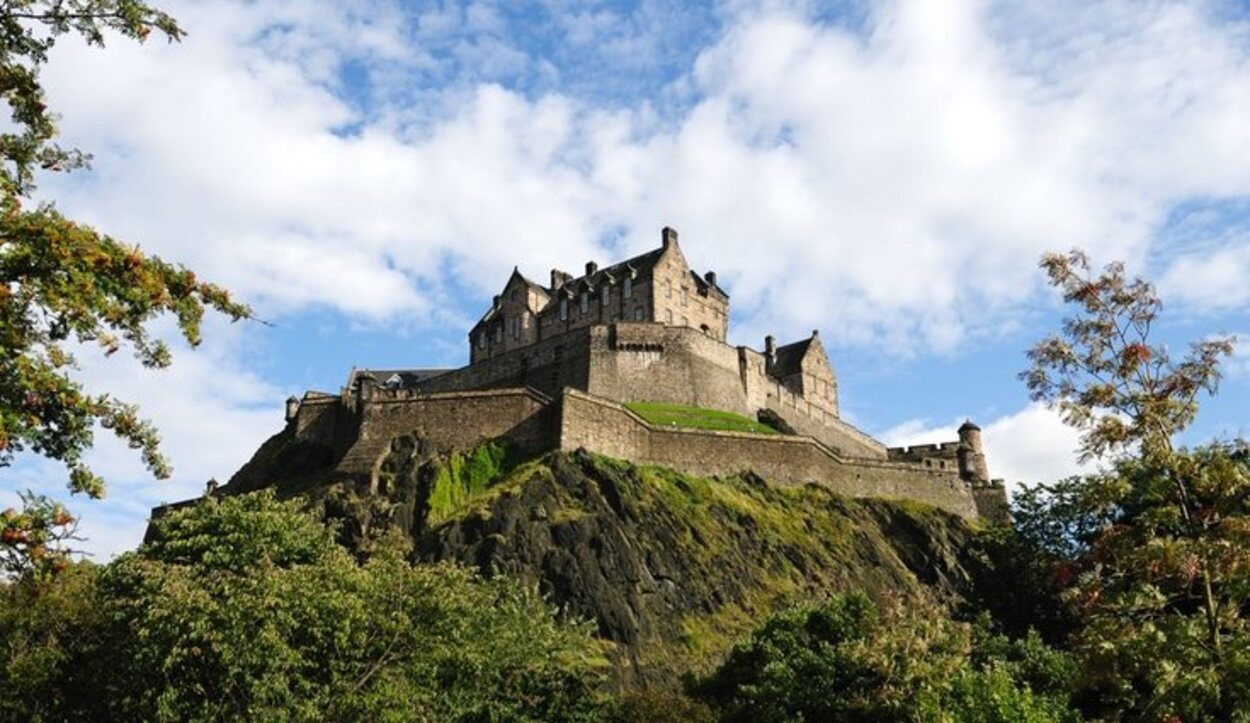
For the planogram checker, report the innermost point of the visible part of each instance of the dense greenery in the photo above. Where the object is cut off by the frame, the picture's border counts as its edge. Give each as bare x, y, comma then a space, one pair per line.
676, 415
245, 608
845, 660
64, 284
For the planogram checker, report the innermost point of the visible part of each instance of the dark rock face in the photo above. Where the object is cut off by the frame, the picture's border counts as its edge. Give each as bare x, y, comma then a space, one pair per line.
674, 569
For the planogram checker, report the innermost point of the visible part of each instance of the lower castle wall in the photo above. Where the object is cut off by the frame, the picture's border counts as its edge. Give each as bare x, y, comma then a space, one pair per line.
458, 420
461, 420
608, 428
548, 366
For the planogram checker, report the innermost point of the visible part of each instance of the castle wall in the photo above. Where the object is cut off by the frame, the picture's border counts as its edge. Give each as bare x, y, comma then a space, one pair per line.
656, 363
459, 420
548, 366
609, 428
647, 362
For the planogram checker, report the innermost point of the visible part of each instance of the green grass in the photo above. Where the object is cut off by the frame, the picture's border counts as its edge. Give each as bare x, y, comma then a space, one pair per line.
467, 476
676, 415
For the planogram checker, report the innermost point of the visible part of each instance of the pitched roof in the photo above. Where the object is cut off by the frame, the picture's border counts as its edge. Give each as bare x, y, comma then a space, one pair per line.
704, 282
790, 358
399, 378
640, 263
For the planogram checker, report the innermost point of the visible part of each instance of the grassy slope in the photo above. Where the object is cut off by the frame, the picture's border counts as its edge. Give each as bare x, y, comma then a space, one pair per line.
696, 417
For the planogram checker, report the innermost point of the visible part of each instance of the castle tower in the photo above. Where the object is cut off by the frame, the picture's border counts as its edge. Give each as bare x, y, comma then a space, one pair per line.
971, 454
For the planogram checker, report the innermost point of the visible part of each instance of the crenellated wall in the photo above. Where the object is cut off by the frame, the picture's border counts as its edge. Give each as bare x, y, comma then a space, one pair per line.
606, 427
536, 423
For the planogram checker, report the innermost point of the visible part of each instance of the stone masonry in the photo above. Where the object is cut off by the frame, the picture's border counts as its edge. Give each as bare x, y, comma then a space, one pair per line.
551, 367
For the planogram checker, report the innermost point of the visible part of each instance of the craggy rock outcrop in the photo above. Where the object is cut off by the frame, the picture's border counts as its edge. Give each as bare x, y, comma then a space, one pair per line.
673, 568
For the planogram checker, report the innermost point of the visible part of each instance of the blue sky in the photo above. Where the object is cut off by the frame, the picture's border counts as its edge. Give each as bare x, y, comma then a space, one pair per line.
367, 174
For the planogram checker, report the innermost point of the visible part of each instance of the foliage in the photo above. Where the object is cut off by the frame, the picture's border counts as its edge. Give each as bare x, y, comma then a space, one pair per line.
49, 634
1153, 554
1138, 579
845, 660
1104, 374
244, 608
63, 283
35, 540
659, 706
676, 415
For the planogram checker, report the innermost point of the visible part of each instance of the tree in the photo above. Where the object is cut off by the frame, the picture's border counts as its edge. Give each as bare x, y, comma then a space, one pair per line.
845, 660
245, 608
1154, 552
63, 283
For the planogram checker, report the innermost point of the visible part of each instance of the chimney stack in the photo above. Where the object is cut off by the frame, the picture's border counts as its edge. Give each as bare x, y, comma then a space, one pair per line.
591, 268
497, 301
668, 236
710, 278
770, 349
558, 278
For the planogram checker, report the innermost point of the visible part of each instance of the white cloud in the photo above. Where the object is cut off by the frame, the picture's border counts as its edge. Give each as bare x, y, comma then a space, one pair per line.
906, 175
892, 183
1212, 280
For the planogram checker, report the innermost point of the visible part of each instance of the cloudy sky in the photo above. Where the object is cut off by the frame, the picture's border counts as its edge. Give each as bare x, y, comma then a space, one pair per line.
366, 174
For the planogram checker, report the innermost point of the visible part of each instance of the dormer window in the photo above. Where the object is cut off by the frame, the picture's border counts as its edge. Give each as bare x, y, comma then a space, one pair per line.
564, 309
629, 287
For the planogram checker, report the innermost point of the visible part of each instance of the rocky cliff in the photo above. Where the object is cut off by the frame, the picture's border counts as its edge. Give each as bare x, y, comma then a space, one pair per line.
672, 567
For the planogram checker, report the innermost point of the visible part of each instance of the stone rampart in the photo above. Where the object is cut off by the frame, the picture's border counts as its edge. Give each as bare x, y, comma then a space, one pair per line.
606, 427
456, 420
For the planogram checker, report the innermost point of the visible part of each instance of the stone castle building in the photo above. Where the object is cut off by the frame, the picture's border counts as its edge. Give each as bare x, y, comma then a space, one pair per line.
553, 366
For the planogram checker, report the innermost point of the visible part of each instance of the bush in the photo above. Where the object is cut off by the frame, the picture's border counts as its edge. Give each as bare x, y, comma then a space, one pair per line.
245, 608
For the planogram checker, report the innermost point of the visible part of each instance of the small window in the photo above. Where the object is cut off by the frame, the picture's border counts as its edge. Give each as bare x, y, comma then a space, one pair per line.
499, 333
606, 297
668, 289
515, 294
481, 340
564, 309
585, 302
638, 315
629, 287
683, 296
668, 313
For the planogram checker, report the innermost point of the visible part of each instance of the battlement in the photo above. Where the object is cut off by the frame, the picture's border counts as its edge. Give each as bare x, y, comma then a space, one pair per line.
551, 367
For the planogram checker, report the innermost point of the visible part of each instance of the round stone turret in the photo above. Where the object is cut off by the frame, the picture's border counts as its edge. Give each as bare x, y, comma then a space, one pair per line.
971, 454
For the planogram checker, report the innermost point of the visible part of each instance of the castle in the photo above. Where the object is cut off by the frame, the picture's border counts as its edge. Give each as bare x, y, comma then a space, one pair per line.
555, 366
